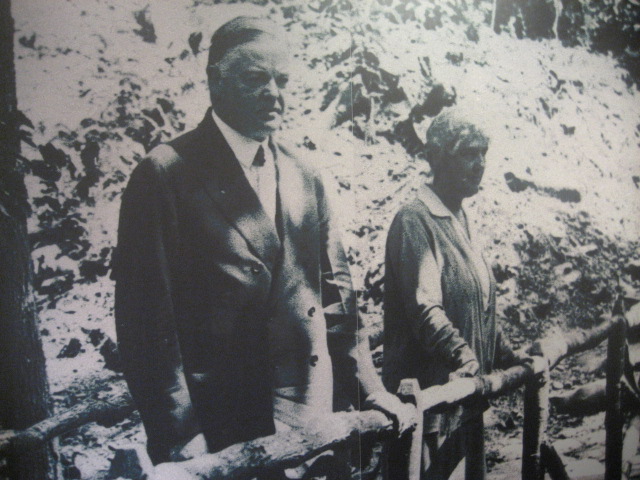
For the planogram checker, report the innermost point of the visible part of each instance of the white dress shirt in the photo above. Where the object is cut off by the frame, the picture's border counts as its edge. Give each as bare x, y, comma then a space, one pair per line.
262, 179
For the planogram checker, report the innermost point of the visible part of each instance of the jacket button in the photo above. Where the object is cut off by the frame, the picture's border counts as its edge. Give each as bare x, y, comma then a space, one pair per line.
255, 269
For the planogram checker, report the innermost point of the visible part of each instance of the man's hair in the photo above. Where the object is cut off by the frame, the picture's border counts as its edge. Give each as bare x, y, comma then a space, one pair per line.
236, 32
447, 131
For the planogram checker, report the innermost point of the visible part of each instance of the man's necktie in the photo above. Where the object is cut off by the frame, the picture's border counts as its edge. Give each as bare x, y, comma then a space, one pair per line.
262, 189
259, 159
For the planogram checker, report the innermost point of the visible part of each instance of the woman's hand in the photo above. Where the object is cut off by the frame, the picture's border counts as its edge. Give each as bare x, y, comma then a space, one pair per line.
469, 369
465, 362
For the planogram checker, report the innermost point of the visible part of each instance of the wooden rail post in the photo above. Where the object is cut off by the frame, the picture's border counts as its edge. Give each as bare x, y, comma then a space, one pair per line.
409, 390
614, 419
536, 415
552, 462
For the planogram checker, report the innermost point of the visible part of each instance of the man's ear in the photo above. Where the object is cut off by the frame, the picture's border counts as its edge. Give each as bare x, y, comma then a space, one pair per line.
435, 162
214, 75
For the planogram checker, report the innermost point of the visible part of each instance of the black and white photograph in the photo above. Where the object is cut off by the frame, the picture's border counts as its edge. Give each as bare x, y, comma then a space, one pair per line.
320, 239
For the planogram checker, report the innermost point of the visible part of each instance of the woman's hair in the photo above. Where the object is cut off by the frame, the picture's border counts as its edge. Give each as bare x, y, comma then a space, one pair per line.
446, 133
239, 31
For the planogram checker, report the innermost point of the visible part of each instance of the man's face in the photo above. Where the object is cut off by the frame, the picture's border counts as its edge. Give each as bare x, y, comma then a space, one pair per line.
465, 166
247, 86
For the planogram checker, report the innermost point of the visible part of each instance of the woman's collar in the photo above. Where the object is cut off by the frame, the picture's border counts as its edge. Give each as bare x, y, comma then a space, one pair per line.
427, 196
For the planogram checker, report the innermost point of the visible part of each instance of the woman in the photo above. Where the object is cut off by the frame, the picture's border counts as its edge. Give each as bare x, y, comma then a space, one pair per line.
439, 320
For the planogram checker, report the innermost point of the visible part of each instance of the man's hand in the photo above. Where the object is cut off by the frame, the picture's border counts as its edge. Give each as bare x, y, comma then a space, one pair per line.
170, 471
195, 447
404, 415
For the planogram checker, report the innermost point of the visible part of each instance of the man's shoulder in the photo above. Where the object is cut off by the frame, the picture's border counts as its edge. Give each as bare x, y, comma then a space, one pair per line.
188, 140
169, 156
162, 159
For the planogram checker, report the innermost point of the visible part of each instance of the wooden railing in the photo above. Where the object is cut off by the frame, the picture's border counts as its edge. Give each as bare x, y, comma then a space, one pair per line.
284, 450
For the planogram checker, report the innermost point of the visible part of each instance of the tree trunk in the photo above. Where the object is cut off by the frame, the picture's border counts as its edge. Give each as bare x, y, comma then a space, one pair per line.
24, 391
534, 430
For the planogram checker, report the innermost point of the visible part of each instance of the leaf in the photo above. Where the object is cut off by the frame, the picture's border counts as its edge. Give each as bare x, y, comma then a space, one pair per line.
28, 42
27, 138
147, 30
194, 42
22, 119
53, 156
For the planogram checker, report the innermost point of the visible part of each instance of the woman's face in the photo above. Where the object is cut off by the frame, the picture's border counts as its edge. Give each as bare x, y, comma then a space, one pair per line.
462, 170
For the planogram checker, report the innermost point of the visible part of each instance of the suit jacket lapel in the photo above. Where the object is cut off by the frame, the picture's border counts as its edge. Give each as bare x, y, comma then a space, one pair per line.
295, 197
226, 184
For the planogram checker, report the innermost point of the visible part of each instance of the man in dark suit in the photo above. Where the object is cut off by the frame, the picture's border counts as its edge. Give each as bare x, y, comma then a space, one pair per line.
227, 258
